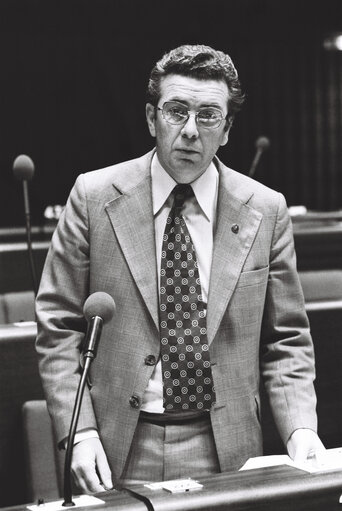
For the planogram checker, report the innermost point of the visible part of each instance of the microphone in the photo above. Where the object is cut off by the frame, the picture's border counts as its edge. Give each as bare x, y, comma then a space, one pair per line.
98, 309
23, 170
261, 144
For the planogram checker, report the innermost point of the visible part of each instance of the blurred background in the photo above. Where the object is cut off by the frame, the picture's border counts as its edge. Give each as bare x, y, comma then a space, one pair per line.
74, 74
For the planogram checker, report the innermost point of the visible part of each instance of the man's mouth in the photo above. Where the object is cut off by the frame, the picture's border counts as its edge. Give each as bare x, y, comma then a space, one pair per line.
187, 150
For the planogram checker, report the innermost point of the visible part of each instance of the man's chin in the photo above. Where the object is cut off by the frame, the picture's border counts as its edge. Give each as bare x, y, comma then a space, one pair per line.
190, 162
186, 171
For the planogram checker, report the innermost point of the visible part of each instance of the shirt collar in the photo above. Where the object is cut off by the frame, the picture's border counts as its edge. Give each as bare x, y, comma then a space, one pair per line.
205, 188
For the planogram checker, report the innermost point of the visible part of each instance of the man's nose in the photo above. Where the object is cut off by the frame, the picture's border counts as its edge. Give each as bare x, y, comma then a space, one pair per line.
189, 129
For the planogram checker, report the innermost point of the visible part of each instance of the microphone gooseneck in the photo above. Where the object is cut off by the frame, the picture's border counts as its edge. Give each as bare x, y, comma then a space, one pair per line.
23, 170
98, 309
262, 144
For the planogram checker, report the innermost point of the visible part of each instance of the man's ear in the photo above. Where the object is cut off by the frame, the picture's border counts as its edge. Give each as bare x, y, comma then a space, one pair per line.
225, 134
150, 117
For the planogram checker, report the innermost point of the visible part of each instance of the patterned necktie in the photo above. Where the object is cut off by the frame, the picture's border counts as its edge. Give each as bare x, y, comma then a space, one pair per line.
187, 378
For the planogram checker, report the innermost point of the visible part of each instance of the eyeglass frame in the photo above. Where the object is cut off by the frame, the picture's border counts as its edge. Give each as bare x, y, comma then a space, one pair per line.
226, 118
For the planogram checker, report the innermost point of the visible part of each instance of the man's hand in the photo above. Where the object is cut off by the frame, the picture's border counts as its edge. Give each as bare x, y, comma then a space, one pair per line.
90, 467
302, 444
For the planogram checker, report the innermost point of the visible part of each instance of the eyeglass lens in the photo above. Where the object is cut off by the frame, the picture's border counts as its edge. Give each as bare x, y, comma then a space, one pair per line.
175, 113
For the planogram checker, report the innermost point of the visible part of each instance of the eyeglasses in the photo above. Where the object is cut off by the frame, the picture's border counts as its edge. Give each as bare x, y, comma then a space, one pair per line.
176, 113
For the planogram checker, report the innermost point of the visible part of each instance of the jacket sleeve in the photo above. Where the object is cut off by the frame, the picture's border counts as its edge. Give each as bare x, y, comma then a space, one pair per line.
287, 354
63, 290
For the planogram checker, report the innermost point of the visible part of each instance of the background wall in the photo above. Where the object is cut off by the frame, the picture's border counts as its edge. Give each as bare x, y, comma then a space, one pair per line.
74, 73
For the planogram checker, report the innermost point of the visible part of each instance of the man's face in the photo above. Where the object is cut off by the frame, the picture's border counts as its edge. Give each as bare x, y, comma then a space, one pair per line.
185, 151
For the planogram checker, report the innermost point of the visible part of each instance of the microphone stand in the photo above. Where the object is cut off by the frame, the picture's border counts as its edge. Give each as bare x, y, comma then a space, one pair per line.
94, 330
255, 162
28, 235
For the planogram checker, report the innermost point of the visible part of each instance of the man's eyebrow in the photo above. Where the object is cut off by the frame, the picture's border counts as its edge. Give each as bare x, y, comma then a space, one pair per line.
204, 105
177, 100
211, 105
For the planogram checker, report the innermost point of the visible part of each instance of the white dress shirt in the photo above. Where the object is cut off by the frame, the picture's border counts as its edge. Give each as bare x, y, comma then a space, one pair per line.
199, 213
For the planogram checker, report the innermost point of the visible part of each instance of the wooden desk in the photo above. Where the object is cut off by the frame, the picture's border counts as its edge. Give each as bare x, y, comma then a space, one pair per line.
270, 489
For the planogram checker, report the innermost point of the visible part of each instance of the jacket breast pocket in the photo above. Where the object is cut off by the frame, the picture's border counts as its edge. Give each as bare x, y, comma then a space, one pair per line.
242, 321
253, 277
245, 309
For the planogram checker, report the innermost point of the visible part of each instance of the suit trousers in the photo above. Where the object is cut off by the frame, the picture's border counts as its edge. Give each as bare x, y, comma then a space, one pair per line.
162, 452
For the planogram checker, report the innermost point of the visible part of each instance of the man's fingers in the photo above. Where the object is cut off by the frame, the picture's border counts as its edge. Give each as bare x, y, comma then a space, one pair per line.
303, 444
85, 476
300, 455
103, 469
88, 461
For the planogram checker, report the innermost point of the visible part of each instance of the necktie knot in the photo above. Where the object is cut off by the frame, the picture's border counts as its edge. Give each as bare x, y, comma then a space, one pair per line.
181, 192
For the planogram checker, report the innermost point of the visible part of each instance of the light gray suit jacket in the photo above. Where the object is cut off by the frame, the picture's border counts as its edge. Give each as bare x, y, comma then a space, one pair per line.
255, 319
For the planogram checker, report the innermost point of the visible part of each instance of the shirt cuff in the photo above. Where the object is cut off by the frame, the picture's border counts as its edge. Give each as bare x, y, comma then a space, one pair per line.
83, 435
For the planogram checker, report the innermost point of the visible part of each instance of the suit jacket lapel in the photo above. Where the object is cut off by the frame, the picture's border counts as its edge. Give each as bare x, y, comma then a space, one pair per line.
131, 215
236, 227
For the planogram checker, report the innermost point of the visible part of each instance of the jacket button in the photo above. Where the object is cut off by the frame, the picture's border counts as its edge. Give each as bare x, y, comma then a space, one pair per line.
235, 228
150, 360
134, 401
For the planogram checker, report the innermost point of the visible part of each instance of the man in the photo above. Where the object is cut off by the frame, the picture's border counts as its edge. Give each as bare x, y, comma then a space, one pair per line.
175, 387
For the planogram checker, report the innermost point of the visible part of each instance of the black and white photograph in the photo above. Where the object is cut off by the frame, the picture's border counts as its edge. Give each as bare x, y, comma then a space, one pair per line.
171, 255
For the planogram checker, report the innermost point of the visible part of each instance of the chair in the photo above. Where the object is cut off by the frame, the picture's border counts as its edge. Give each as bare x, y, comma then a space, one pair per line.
43, 461
19, 382
17, 306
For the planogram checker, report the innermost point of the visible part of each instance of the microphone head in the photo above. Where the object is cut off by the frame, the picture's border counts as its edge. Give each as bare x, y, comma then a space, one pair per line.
99, 304
262, 143
23, 168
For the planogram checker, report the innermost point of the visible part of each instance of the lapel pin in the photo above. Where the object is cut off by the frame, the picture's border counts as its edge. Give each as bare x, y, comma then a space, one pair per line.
235, 228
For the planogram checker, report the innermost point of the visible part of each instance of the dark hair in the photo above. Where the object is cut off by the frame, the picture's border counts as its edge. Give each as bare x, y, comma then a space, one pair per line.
201, 62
